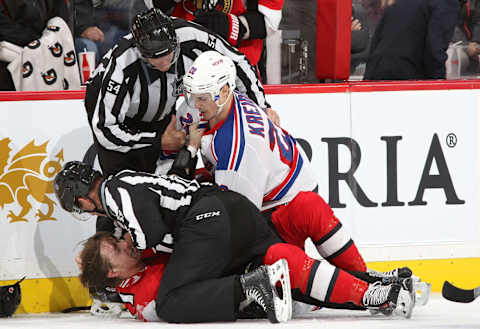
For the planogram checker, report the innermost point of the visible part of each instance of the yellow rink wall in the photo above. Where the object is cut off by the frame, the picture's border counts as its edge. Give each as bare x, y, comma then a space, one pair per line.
57, 294
417, 160
463, 272
51, 295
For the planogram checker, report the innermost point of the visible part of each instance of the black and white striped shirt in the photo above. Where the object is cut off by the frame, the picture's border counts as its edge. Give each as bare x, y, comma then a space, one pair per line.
149, 206
129, 104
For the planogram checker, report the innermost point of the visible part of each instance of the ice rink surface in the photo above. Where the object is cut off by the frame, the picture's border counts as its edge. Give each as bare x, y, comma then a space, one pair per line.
438, 313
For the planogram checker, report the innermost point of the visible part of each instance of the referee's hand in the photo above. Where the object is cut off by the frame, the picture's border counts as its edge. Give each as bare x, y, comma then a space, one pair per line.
172, 139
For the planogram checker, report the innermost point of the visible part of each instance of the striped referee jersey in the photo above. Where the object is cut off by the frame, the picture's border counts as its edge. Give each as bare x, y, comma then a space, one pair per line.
149, 206
129, 104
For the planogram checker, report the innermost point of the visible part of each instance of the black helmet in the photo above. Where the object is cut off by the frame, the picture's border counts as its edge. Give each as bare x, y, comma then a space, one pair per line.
154, 34
10, 297
74, 180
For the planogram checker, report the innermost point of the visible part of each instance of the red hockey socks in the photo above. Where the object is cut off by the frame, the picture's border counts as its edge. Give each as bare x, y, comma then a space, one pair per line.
317, 279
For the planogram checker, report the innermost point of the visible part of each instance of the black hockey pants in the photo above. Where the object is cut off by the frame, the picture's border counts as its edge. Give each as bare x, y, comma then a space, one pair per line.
220, 235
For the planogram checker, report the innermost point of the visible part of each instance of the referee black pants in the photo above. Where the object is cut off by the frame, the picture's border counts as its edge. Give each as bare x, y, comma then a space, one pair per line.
220, 235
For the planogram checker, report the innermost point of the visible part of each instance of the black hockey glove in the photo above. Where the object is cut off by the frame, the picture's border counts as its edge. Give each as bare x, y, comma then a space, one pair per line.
228, 26
164, 5
184, 164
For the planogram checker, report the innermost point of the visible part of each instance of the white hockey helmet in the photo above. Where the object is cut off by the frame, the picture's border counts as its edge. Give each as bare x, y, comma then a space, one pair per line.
208, 74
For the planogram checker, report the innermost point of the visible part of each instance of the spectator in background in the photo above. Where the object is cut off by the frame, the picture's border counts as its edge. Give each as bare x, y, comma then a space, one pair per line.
411, 40
99, 24
242, 26
23, 21
360, 37
467, 32
88, 35
374, 10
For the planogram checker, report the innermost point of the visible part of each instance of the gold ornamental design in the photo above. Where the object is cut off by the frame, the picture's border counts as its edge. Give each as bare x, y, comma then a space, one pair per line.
28, 175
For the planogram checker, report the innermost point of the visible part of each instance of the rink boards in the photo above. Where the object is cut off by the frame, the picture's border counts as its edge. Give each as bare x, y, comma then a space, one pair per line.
398, 163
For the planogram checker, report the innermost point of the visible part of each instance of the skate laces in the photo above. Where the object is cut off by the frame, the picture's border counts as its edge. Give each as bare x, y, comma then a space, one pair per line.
254, 294
393, 272
378, 274
376, 295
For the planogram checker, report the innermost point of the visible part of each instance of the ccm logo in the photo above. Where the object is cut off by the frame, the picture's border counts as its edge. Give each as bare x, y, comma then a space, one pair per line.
207, 215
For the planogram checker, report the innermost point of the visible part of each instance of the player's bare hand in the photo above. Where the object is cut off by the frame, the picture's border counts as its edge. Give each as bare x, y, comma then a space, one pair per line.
172, 139
195, 135
273, 116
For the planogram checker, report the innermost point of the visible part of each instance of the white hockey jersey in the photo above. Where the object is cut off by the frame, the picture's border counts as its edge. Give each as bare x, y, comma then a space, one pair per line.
248, 154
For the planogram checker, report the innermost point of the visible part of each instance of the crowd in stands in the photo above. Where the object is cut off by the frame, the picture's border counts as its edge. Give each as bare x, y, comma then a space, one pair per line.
28, 35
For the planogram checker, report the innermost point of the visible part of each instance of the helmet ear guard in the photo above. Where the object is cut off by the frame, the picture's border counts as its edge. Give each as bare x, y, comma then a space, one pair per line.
10, 298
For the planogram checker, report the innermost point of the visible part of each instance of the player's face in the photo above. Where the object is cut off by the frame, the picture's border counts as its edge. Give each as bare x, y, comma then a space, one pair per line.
162, 63
122, 255
205, 104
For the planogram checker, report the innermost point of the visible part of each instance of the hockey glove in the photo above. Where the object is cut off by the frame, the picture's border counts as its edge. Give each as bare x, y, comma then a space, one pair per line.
163, 5
184, 164
228, 26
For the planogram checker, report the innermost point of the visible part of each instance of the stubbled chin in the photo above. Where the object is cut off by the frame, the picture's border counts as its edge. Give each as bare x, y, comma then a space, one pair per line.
135, 253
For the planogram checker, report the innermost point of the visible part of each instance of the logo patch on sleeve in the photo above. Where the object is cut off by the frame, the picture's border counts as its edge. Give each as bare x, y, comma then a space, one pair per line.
113, 87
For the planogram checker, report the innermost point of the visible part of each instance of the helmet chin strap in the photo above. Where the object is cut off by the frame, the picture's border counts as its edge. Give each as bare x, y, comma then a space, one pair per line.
96, 210
220, 106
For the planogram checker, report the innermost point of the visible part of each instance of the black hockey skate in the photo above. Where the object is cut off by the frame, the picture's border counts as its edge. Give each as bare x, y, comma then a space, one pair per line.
252, 311
393, 276
259, 287
390, 299
105, 302
422, 289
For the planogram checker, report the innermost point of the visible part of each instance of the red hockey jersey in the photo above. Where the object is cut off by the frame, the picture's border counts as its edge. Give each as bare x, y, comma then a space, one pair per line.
140, 290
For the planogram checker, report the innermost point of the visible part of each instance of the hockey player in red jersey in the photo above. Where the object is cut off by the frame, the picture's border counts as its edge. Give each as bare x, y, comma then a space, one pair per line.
137, 279
242, 25
152, 207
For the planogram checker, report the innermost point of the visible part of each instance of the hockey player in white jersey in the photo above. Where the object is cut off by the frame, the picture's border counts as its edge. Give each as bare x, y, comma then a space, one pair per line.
247, 153
240, 140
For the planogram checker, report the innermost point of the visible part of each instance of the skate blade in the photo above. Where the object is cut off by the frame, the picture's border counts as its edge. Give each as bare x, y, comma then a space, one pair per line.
278, 272
422, 292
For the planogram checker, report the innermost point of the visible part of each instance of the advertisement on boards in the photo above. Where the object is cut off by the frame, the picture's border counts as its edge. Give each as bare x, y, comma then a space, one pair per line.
399, 168
39, 238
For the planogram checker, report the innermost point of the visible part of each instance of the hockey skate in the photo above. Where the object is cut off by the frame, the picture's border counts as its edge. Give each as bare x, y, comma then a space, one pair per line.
422, 289
392, 276
105, 309
259, 287
392, 299
105, 303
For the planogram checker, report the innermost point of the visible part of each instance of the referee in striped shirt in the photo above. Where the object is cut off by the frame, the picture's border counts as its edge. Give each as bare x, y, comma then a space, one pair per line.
131, 97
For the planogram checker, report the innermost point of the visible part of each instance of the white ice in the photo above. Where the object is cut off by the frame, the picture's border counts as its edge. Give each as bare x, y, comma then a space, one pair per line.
437, 314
